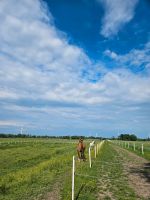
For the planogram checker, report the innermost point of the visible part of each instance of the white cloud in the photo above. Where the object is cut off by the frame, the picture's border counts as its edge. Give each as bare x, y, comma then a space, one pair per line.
117, 14
37, 63
5, 123
135, 58
111, 54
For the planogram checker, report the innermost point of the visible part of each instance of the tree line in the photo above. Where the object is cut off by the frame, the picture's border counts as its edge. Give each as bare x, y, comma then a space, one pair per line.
131, 137
125, 137
4, 135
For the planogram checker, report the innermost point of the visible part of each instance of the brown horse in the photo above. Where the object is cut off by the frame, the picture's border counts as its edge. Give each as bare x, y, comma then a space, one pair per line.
80, 150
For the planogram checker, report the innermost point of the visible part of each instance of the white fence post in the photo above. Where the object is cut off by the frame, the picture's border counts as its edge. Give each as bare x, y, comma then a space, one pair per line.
73, 173
134, 146
95, 151
128, 145
142, 149
90, 156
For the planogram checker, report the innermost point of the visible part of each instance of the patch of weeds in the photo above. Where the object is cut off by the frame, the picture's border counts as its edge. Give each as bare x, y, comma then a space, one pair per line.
4, 188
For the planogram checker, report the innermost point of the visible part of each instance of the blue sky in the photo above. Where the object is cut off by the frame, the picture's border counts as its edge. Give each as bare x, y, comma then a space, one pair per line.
75, 67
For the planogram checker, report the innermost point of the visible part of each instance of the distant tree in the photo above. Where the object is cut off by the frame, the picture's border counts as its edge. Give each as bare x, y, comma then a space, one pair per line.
113, 138
133, 137
129, 137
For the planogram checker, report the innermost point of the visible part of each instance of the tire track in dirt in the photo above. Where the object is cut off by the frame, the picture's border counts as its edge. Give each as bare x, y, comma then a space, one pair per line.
112, 184
54, 194
137, 170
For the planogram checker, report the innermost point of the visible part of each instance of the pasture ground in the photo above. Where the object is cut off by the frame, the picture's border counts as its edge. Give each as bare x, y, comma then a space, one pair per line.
29, 168
41, 170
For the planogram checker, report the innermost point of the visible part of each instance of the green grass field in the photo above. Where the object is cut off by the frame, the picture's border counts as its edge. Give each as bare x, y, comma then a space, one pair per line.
29, 167
32, 168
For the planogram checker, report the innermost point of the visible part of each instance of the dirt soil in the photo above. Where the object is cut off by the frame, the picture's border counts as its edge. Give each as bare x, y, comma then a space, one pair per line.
54, 194
137, 169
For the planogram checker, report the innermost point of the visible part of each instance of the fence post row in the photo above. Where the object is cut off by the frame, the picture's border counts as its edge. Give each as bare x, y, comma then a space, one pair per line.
134, 146
127, 145
96, 148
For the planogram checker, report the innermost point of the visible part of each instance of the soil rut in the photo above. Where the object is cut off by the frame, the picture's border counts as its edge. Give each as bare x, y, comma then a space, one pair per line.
137, 169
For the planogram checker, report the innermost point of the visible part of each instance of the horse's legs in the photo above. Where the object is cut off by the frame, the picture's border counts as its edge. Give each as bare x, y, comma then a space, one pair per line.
78, 154
83, 155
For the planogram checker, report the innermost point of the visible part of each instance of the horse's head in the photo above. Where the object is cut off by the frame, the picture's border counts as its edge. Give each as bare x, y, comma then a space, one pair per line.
80, 140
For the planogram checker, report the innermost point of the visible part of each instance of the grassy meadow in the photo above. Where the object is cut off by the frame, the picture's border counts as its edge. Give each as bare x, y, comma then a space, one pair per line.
30, 169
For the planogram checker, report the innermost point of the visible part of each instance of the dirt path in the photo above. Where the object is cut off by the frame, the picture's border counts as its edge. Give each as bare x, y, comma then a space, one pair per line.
122, 175
137, 170
54, 194
112, 183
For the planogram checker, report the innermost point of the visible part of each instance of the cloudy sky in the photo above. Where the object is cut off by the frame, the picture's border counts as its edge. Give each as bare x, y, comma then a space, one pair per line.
75, 67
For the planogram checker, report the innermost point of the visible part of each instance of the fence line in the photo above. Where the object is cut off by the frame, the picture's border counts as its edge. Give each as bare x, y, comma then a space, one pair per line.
128, 145
96, 151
